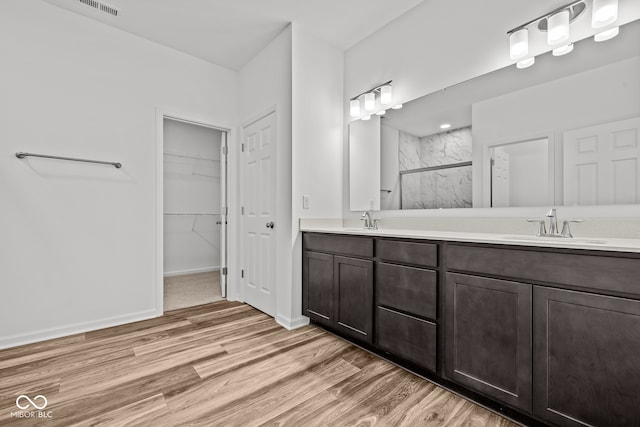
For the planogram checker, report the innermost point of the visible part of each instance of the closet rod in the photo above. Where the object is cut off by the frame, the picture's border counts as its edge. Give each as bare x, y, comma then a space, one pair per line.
188, 156
22, 155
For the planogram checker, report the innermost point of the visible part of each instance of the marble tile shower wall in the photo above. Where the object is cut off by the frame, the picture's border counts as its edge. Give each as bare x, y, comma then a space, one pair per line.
445, 188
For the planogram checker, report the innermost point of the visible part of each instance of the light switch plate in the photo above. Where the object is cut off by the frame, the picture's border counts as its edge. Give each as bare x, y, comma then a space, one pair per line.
306, 201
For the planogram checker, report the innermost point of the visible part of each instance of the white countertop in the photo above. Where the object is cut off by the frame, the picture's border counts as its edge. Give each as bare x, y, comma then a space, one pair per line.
595, 243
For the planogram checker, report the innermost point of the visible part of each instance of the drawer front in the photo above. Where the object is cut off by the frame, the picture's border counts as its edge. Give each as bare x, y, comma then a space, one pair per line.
408, 337
409, 289
347, 245
600, 272
408, 252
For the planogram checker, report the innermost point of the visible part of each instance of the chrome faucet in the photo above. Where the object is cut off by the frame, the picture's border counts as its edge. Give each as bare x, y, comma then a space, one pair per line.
553, 225
370, 223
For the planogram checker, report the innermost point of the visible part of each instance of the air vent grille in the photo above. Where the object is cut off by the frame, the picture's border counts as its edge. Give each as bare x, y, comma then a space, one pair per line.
101, 6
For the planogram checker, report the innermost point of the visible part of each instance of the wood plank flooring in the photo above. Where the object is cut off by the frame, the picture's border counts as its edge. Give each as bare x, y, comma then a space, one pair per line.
220, 364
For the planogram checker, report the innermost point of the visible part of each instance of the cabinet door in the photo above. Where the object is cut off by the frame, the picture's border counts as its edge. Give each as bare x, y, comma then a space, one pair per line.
488, 337
318, 287
587, 353
354, 297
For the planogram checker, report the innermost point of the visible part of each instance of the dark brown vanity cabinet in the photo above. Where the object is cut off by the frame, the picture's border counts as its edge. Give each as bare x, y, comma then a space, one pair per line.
406, 300
337, 287
488, 337
587, 358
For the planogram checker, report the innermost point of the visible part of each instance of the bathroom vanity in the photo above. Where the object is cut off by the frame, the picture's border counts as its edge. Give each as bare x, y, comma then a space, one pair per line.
546, 327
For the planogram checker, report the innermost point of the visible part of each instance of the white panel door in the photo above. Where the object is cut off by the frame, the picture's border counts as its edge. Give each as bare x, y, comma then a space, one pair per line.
601, 164
259, 219
500, 179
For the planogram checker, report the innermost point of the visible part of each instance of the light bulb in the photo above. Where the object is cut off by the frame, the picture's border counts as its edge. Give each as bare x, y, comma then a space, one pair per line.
604, 13
558, 27
386, 94
369, 101
354, 107
445, 126
563, 50
607, 34
525, 63
367, 117
396, 107
519, 43
381, 113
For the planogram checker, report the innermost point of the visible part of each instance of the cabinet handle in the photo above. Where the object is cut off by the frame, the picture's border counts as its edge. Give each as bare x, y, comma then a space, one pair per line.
270, 224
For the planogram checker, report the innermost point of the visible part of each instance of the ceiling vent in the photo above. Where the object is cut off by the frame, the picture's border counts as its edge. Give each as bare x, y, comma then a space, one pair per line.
101, 6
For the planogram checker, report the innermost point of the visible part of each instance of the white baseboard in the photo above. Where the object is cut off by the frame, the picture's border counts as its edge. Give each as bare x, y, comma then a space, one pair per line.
191, 271
291, 324
77, 328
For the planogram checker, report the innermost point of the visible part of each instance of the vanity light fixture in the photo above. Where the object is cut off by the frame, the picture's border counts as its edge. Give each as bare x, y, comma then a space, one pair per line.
369, 101
519, 43
354, 107
607, 34
396, 107
558, 27
381, 113
386, 98
563, 50
605, 12
526, 63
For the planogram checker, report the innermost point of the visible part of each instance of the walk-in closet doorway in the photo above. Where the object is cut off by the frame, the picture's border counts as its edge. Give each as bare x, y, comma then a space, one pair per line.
194, 213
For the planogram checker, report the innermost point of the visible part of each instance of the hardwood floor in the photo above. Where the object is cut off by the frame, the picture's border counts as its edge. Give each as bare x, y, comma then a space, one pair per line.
220, 364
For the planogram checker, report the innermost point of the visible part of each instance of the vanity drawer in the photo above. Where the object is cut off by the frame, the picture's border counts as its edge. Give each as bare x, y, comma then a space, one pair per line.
575, 269
345, 245
407, 252
406, 336
409, 289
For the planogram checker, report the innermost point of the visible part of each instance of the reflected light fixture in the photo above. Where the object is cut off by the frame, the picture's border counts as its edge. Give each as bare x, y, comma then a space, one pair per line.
519, 43
445, 126
386, 98
605, 12
607, 34
558, 27
526, 63
563, 50
354, 107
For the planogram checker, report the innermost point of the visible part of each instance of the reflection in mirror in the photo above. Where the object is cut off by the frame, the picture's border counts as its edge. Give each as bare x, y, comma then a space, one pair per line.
520, 173
567, 104
364, 164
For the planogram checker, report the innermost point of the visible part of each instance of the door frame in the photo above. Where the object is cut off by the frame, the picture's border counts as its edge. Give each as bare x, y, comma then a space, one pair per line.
185, 117
241, 228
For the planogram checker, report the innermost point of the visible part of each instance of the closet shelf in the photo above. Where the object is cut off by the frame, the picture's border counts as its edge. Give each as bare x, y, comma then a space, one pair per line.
190, 156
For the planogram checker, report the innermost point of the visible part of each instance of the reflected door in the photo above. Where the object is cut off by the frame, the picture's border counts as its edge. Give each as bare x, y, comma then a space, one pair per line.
601, 164
259, 202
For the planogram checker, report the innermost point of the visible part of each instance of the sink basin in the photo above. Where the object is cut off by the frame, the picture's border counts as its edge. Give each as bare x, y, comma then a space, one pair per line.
564, 241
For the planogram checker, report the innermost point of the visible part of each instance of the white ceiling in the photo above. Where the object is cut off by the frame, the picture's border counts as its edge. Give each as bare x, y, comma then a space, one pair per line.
231, 32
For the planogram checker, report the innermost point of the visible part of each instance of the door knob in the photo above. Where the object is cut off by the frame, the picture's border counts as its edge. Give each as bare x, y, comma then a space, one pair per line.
270, 224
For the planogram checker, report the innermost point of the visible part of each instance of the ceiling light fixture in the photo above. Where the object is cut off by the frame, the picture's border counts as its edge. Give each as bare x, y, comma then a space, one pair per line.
370, 105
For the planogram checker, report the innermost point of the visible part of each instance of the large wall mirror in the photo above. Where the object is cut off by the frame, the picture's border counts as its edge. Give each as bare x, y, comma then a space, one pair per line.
563, 132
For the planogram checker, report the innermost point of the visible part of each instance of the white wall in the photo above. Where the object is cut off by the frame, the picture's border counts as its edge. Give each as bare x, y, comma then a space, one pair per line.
191, 243
317, 152
79, 241
265, 85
